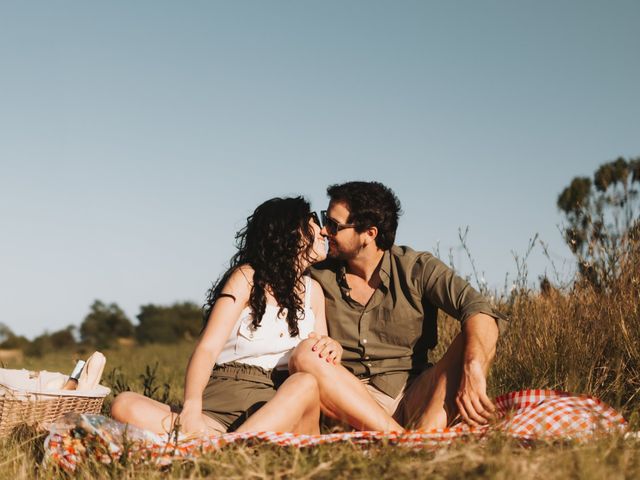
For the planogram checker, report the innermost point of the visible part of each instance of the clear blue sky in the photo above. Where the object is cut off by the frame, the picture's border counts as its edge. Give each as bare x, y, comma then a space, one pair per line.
135, 137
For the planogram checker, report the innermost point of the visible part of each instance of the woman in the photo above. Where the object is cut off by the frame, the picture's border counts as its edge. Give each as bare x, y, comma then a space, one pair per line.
257, 312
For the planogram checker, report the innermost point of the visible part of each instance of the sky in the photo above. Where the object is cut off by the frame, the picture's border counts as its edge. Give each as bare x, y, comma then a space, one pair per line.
136, 137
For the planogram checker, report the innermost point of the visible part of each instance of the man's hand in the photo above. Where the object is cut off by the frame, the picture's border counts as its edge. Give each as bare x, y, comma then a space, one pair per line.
475, 407
327, 348
480, 336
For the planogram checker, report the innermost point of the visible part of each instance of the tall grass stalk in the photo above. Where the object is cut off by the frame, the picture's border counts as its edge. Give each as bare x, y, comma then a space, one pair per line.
577, 338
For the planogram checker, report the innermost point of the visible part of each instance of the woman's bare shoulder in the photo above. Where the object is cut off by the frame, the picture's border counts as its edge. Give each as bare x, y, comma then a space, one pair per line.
316, 290
240, 282
246, 271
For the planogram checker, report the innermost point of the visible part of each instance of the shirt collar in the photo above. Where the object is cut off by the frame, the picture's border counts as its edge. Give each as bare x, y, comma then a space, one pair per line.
385, 268
384, 272
342, 278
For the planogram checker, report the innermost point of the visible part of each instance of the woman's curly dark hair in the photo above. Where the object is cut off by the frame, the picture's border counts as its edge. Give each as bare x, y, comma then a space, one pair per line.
275, 235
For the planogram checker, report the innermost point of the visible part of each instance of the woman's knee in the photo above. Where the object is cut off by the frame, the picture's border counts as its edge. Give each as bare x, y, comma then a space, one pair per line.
306, 386
304, 381
303, 358
124, 406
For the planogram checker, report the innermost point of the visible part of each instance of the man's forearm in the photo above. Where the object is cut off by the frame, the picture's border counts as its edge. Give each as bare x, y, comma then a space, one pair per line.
481, 335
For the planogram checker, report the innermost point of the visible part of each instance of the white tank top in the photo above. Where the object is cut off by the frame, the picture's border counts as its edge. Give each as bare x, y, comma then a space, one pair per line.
269, 346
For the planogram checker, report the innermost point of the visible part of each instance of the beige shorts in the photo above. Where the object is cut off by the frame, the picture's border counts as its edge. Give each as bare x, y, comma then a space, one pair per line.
393, 406
396, 407
409, 405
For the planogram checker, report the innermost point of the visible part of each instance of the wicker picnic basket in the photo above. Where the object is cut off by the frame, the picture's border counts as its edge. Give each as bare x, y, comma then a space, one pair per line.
27, 397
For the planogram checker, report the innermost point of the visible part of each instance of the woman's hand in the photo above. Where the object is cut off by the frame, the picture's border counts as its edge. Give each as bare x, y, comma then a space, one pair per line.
191, 422
327, 348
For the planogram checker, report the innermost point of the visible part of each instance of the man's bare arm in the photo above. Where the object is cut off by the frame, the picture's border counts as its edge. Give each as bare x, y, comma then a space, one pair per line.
480, 336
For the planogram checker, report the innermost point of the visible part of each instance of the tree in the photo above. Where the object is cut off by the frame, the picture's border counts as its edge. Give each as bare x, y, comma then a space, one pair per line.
63, 338
5, 333
48, 342
10, 340
602, 217
104, 324
16, 342
168, 324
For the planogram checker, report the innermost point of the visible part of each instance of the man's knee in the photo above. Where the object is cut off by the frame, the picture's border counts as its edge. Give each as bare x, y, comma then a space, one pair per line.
304, 359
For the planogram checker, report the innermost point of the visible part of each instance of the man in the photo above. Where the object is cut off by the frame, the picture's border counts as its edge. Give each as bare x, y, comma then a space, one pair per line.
381, 307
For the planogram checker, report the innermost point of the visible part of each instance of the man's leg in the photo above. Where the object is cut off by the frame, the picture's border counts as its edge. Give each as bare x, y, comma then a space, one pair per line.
342, 395
430, 401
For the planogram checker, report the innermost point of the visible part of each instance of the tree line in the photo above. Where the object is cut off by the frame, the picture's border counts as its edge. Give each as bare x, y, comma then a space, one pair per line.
602, 229
106, 325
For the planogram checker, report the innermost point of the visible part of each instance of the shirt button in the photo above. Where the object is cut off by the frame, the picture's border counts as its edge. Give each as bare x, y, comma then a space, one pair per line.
367, 357
281, 334
364, 340
369, 365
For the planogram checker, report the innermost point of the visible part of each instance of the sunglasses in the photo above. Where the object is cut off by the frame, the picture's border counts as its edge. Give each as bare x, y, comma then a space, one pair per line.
332, 226
314, 216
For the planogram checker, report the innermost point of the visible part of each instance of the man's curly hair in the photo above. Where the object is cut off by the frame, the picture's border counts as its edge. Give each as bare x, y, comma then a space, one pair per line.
370, 204
271, 242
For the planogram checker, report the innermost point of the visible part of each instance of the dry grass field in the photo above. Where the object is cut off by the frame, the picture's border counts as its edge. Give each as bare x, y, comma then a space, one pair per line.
579, 340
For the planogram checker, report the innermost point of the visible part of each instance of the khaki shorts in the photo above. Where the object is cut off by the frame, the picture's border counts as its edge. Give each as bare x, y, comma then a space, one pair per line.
396, 407
236, 391
393, 406
407, 407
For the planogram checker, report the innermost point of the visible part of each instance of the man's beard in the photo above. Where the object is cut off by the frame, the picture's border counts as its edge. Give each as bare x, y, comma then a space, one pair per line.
343, 255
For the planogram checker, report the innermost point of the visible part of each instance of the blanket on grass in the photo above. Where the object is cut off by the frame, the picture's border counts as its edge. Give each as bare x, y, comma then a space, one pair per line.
526, 416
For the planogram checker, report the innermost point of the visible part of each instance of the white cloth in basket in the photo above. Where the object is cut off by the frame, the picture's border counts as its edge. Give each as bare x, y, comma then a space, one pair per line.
27, 383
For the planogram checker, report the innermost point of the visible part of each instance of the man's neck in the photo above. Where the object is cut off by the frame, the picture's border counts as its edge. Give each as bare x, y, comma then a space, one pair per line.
365, 264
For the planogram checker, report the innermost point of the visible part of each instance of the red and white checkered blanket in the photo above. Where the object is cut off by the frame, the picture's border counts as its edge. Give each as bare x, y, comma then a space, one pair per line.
527, 415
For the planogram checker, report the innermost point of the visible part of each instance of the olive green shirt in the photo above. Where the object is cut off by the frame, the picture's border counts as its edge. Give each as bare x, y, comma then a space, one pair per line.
387, 340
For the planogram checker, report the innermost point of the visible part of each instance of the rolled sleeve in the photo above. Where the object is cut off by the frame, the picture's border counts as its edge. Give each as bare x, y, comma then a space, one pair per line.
451, 293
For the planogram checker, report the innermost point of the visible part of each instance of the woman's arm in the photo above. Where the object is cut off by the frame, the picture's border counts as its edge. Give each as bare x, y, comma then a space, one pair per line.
326, 347
317, 305
222, 318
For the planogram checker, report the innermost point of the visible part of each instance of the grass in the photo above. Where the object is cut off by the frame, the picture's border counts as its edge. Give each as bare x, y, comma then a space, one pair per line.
579, 339
496, 458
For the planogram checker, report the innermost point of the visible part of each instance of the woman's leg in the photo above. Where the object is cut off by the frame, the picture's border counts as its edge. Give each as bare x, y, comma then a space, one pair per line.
342, 395
144, 412
294, 408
